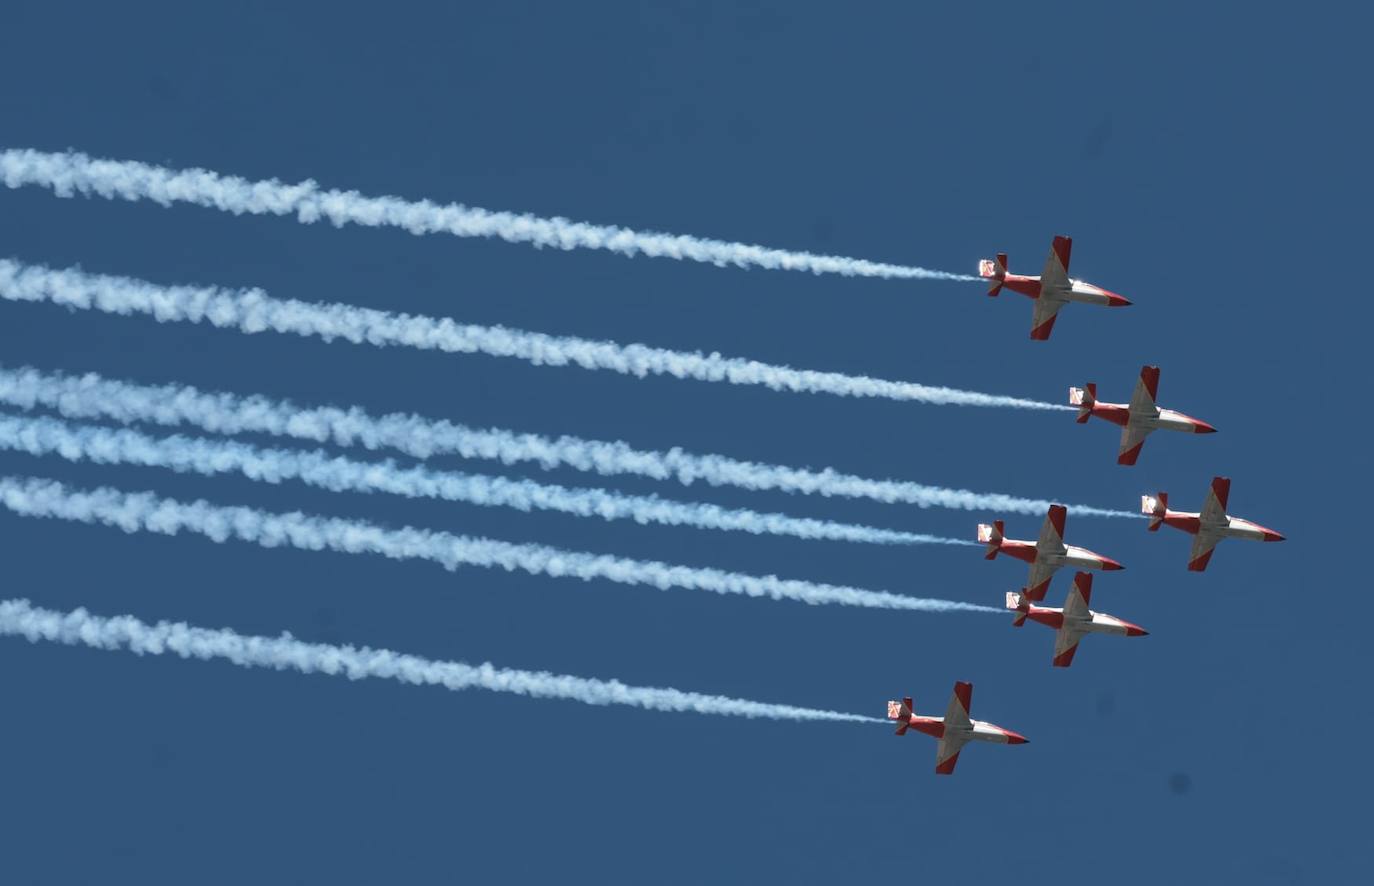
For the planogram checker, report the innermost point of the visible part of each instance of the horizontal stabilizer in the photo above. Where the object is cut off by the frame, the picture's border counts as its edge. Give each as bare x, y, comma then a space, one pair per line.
991, 534
996, 271
1018, 604
1083, 398
1155, 507
901, 712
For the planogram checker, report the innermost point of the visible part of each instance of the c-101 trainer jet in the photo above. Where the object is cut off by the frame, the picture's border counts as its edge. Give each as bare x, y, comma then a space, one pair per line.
1073, 621
1208, 527
954, 729
1138, 418
1051, 290
1045, 555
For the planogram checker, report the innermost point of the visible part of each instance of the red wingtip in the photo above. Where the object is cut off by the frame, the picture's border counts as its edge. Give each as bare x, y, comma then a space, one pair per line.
1063, 247
1130, 455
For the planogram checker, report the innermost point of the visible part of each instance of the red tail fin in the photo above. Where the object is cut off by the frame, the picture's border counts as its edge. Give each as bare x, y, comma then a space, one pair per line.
996, 271
1083, 398
990, 534
1155, 507
901, 712
1017, 603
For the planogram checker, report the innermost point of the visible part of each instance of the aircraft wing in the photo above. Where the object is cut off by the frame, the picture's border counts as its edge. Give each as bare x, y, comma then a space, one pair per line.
1039, 581
947, 753
1046, 308
957, 728
1065, 645
1056, 273
1214, 508
956, 714
1146, 390
1076, 604
1201, 554
1051, 538
1132, 439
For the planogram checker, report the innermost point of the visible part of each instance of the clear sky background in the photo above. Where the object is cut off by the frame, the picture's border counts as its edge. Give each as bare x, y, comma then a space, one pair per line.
1211, 165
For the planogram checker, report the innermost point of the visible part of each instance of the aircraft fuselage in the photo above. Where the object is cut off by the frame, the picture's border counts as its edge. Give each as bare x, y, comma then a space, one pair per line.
1234, 527
1077, 291
1162, 419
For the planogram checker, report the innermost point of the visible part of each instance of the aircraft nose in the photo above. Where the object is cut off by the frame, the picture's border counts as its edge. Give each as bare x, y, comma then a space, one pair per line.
1136, 631
1111, 565
1202, 427
1015, 737
1116, 301
1271, 535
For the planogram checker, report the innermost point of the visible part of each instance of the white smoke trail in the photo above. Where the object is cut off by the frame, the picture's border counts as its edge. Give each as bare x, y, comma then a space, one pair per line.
142, 511
286, 653
45, 436
91, 396
73, 173
252, 310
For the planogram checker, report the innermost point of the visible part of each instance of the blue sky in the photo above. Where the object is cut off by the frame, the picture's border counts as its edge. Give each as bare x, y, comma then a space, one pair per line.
1211, 167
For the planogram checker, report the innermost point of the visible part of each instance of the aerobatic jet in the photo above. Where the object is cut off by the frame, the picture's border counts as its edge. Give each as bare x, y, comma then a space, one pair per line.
1208, 527
1045, 555
1138, 418
1051, 290
1073, 621
954, 729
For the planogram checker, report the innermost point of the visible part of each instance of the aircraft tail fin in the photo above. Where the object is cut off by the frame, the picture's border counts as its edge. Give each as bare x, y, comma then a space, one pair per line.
1020, 605
1083, 398
996, 271
901, 712
990, 534
1155, 507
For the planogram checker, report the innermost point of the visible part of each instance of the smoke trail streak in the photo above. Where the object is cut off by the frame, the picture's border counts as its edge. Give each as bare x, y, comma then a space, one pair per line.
251, 311
45, 436
142, 511
91, 396
72, 173
286, 653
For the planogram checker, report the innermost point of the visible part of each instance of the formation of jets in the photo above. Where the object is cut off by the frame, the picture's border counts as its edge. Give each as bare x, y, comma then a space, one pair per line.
1051, 291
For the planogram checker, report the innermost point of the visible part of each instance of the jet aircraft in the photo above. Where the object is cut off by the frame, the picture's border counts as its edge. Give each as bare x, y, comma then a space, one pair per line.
1045, 555
1138, 418
1209, 526
954, 729
1051, 290
1073, 621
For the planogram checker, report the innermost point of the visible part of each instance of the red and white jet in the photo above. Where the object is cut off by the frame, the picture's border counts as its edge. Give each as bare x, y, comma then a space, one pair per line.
1139, 417
1208, 527
1051, 290
1073, 621
954, 729
1045, 555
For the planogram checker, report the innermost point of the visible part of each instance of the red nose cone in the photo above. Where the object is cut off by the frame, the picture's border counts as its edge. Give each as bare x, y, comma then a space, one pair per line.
1015, 738
1111, 565
1201, 427
1271, 535
1136, 631
1116, 301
